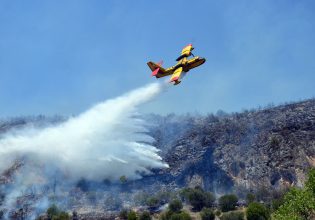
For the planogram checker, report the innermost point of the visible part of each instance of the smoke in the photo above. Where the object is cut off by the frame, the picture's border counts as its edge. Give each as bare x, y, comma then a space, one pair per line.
105, 142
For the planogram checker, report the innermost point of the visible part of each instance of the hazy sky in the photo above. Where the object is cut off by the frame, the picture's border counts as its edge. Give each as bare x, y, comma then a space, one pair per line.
61, 57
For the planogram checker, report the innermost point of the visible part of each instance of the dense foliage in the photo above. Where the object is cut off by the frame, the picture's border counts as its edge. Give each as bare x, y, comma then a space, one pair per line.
207, 214
145, 216
198, 198
175, 205
54, 213
257, 211
132, 215
299, 204
228, 202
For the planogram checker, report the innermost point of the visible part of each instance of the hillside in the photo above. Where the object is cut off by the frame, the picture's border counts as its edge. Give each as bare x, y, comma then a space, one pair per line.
271, 147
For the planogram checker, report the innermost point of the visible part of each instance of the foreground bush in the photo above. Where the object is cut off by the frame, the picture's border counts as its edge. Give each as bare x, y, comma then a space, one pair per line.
233, 215
180, 216
257, 211
207, 214
132, 215
228, 202
169, 215
145, 216
198, 198
54, 213
175, 205
153, 202
299, 203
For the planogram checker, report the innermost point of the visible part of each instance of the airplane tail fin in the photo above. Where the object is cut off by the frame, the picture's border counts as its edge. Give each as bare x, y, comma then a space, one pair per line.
156, 68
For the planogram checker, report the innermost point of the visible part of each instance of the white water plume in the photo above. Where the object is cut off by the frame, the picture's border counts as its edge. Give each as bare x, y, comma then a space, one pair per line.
106, 141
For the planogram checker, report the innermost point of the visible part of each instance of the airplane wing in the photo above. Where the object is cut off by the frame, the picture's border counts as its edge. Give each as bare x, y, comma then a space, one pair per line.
176, 75
186, 52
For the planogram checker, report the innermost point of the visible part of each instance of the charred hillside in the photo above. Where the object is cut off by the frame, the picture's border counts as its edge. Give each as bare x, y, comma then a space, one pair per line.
266, 148
271, 147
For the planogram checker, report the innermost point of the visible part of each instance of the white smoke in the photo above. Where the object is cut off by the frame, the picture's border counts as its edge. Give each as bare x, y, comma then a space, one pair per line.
106, 141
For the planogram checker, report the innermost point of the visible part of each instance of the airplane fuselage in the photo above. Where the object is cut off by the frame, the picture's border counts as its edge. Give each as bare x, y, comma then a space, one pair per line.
187, 64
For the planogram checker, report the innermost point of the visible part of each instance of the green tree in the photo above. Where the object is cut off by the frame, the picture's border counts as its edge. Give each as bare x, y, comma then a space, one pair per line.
298, 204
228, 202
276, 203
217, 212
132, 215
199, 198
184, 193
145, 216
232, 215
207, 214
257, 211
153, 202
166, 215
250, 197
123, 179
310, 183
52, 211
61, 216
175, 205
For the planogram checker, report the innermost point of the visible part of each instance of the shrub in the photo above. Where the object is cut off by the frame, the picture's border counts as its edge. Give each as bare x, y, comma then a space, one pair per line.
123, 179
184, 193
55, 214
228, 202
52, 211
207, 214
210, 198
132, 215
232, 215
62, 216
180, 216
199, 199
175, 205
276, 203
257, 211
141, 198
145, 216
153, 202
166, 215
298, 204
310, 183
165, 196
217, 213
250, 197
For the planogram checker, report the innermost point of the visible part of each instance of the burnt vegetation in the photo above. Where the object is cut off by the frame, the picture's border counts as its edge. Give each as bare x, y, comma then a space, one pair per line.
218, 164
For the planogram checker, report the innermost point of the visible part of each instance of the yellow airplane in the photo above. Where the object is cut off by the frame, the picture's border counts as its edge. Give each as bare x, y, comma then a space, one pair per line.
178, 71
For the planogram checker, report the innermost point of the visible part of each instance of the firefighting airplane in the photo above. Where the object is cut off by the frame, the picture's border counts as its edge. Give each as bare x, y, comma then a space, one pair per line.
183, 66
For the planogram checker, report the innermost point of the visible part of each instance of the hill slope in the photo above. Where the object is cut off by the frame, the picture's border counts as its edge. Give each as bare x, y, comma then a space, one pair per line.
268, 147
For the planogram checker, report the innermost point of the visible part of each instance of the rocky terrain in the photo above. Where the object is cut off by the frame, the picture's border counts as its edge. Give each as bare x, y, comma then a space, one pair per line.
270, 147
